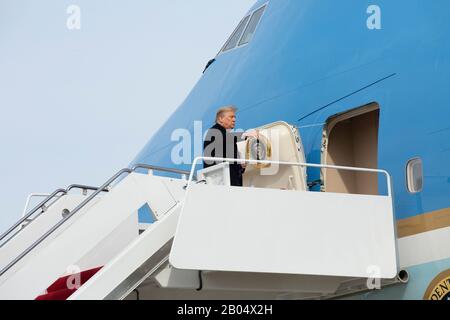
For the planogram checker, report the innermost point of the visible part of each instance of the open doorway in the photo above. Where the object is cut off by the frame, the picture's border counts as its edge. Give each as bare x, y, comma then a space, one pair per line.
351, 139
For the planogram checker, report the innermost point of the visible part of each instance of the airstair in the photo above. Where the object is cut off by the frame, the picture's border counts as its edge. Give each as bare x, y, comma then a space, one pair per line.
71, 237
272, 238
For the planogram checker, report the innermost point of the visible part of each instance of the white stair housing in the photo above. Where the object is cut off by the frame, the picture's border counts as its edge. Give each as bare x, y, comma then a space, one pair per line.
92, 237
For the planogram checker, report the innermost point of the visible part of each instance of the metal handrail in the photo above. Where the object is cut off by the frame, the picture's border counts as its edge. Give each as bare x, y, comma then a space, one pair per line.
298, 164
83, 187
84, 203
162, 169
30, 213
41, 205
30, 196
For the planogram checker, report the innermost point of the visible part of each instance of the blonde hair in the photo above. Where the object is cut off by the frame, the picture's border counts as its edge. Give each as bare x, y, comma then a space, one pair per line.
222, 110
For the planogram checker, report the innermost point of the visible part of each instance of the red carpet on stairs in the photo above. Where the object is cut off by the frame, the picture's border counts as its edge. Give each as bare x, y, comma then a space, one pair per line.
58, 290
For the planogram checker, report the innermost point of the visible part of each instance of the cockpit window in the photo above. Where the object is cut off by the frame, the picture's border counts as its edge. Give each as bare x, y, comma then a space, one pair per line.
232, 42
245, 30
251, 27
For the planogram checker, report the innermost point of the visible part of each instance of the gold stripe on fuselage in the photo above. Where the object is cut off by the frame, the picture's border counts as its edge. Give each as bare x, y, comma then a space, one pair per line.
422, 223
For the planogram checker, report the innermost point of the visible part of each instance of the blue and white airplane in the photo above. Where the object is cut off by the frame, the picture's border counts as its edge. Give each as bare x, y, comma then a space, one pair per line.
308, 61
361, 84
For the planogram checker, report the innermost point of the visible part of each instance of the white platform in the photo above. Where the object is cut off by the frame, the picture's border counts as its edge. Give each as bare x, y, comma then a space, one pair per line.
292, 232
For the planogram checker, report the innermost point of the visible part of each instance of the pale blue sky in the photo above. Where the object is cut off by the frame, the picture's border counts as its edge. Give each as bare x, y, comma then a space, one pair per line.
78, 105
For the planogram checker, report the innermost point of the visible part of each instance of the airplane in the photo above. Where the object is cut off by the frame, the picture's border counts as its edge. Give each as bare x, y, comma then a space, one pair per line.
346, 193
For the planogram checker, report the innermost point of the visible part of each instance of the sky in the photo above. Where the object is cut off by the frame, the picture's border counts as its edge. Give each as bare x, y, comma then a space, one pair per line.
77, 104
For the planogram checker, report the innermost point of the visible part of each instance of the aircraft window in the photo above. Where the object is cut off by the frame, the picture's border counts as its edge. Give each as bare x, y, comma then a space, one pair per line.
232, 42
414, 175
251, 27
